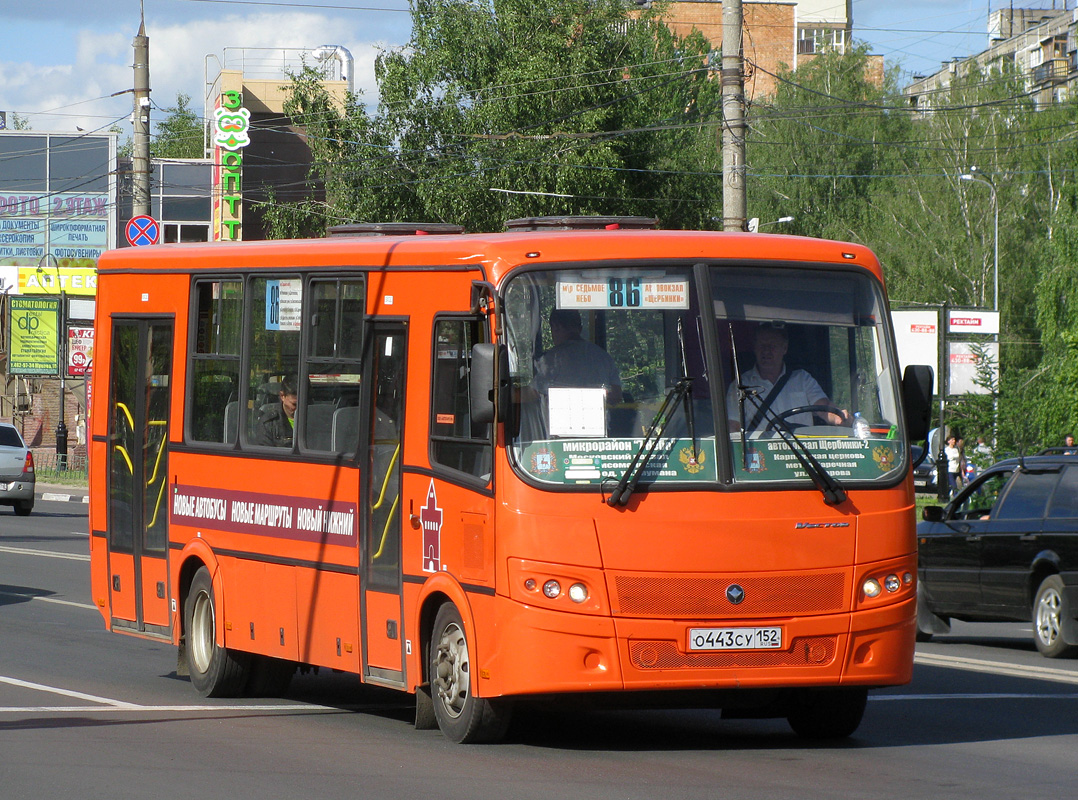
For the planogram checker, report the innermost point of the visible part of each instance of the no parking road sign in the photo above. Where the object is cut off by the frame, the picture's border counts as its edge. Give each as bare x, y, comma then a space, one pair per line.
143, 230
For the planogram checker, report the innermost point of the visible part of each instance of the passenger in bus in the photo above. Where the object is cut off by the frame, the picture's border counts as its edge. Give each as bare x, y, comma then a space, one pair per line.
574, 361
277, 421
777, 389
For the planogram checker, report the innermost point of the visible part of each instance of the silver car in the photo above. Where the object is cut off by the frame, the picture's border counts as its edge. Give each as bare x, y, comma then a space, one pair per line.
16, 471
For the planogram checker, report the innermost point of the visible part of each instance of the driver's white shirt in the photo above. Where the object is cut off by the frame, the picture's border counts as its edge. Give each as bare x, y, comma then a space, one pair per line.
800, 390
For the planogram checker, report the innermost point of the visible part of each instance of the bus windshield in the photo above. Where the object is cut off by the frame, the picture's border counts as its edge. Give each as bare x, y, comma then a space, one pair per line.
614, 365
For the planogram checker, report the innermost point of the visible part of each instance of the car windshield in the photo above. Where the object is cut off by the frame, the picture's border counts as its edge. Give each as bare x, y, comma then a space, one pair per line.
601, 358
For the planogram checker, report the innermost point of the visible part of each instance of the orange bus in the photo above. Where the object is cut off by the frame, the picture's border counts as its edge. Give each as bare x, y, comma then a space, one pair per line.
481, 468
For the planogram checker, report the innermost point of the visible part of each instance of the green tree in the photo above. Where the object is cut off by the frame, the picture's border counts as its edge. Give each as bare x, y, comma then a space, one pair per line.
506, 108
180, 134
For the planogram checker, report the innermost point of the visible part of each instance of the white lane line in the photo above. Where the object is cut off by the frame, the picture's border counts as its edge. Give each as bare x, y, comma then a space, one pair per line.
25, 551
54, 600
291, 708
972, 696
40, 687
997, 668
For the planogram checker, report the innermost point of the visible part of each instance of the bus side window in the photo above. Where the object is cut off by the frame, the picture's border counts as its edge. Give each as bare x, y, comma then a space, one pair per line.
273, 336
334, 365
215, 361
457, 442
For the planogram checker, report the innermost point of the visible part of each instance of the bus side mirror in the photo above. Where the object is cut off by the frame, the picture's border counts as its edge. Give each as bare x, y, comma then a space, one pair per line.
917, 399
488, 381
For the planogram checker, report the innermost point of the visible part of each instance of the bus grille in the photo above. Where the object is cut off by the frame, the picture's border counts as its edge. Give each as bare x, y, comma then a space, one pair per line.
705, 598
812, 651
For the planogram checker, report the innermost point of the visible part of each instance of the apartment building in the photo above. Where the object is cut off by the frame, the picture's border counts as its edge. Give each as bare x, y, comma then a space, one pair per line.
1040, 44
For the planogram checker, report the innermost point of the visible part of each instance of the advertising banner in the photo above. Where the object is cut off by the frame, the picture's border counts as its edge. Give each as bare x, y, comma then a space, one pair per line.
967, 320
917, 336
34, 347
80, 351
964, 367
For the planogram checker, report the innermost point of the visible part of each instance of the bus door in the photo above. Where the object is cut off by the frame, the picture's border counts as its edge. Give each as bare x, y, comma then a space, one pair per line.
380, 538
138, 469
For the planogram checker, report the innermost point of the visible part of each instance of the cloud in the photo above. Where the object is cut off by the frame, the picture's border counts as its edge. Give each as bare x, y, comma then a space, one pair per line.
60, 96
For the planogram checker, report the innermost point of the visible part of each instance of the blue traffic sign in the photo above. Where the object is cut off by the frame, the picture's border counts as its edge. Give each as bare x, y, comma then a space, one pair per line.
143, 230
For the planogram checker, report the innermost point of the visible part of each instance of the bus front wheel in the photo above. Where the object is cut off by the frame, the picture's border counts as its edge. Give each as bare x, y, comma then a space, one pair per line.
827, 713
462, 717
215, 671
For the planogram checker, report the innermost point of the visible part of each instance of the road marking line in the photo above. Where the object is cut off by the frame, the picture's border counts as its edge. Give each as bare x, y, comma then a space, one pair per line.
67, 693
55, 600
44, 553
997, 667
290, 707
974, 696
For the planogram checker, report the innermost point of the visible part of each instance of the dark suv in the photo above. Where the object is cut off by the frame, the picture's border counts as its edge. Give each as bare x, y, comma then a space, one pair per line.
1005, 549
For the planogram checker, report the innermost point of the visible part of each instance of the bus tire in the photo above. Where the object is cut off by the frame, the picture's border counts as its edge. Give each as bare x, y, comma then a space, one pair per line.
462, 717
215, 671
1051, 613
827, 713
270, 676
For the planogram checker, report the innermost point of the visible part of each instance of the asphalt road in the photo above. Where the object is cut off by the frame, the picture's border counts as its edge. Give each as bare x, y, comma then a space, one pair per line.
91, 714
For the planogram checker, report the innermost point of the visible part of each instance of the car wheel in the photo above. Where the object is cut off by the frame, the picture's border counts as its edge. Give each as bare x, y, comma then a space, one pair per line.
462, 717
215, 671
827, 713
1050, 612
23, 508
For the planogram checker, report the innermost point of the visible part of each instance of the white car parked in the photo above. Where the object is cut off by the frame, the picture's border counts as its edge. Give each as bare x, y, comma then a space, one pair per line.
16, 471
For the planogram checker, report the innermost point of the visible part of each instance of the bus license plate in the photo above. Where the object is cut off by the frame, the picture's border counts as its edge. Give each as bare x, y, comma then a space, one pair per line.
735, 638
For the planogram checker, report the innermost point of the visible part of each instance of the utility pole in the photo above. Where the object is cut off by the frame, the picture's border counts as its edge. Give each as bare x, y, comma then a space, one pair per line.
140, 159
733, 119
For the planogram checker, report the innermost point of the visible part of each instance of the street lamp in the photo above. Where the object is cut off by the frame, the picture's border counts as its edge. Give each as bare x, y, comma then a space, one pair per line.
755, 224
61, 427
975, 175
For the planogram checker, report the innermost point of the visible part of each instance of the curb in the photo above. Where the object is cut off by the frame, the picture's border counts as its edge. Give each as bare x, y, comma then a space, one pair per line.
61, 494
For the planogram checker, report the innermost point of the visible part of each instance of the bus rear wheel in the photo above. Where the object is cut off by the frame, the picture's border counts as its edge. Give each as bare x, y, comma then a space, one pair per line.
215, 671
827, 713
462, 717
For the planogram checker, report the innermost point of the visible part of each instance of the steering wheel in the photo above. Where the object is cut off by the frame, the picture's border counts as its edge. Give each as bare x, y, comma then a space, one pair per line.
813, 409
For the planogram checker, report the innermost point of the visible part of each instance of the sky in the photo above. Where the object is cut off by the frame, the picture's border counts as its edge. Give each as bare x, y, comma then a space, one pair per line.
66, 64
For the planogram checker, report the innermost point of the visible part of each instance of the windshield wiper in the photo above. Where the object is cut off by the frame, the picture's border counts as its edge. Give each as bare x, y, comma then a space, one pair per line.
682, 390
833, 491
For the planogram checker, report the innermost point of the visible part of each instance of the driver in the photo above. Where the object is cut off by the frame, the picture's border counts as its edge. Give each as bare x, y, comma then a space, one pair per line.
776, 388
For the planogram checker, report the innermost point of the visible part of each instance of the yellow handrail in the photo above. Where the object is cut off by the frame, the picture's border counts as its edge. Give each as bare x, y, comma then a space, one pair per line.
385, 530
127, 458
127, 413
389, 474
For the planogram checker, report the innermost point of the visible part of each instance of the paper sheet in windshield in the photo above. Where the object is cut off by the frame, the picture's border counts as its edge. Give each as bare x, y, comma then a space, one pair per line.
577, 412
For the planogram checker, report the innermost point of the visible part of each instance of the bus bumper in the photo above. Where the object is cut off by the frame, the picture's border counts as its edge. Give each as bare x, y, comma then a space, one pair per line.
548, 652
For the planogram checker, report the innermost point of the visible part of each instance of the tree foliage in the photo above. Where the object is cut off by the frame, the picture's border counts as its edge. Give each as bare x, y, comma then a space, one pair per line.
505, 108
499, 109
180, 134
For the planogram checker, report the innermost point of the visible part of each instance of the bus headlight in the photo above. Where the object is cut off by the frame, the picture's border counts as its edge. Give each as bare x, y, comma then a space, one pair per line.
578, 593
871, 587
892, 584
552, 589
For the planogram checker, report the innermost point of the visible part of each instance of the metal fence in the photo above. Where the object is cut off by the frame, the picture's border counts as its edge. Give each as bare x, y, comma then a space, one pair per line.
50, 466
